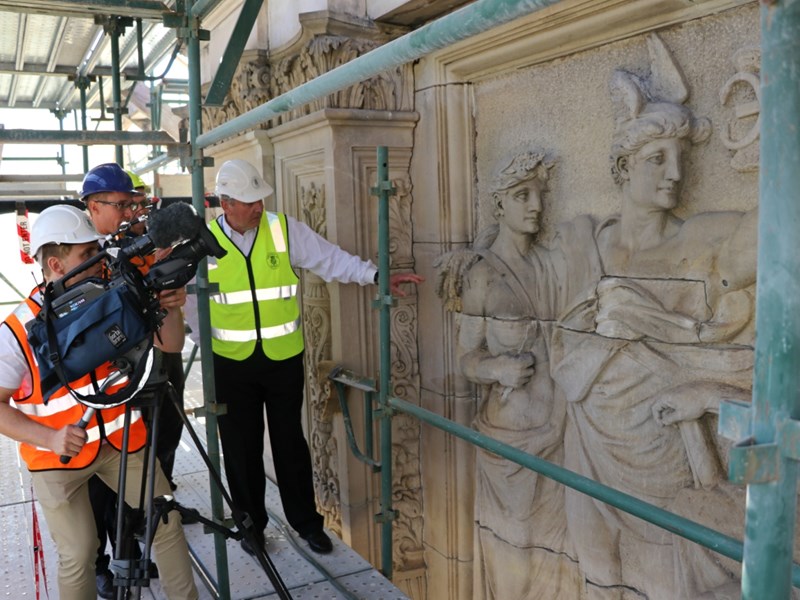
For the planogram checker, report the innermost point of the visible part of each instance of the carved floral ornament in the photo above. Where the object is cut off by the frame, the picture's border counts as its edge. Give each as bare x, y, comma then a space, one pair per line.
258, 80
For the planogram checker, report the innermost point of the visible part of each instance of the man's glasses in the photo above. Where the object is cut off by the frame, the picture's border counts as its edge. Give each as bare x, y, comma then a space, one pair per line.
121, 206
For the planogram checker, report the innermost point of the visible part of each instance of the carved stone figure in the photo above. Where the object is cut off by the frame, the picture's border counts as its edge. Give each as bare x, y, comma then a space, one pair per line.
508, 302
649, 350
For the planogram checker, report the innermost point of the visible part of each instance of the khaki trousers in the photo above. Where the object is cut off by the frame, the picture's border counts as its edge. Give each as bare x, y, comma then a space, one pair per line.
64, 497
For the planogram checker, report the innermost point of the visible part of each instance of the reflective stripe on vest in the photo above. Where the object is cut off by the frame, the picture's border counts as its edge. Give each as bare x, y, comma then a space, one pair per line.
257, 297
62, 409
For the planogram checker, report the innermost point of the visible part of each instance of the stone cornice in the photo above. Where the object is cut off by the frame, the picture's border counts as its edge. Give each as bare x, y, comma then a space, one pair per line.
325, 22
562, 29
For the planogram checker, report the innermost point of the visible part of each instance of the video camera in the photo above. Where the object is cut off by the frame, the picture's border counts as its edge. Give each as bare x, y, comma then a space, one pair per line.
93, 321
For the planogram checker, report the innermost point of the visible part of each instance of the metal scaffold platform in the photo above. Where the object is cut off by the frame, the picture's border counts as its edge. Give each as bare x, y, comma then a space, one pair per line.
343, 574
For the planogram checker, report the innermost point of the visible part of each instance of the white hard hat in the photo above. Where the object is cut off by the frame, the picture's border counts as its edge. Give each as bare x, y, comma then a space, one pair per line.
62, 224
239, 180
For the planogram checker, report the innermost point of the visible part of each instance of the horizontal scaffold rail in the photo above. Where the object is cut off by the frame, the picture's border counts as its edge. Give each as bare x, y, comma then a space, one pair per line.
145, 9
40, 178
86, 138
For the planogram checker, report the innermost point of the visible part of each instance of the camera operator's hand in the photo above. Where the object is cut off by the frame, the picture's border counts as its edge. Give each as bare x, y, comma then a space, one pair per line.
172, 298
68, 440
172, 334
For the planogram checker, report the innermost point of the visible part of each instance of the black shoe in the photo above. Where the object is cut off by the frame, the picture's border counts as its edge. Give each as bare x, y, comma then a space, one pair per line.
105, 585
247, 546
318, 541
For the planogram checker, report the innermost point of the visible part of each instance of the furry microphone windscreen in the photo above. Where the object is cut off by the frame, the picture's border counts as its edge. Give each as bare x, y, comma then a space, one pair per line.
175, 222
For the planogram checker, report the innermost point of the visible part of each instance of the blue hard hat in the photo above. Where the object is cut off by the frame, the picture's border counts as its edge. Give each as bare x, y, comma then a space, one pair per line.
108, 177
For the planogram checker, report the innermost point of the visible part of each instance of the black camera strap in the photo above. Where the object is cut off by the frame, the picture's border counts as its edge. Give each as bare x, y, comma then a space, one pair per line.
101, 399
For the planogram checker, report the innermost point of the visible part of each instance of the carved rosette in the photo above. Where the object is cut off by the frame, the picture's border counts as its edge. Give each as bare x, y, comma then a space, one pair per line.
249, 88
317, 331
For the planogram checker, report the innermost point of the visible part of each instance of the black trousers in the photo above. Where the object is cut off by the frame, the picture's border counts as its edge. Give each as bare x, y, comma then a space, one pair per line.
248, 387
170, 424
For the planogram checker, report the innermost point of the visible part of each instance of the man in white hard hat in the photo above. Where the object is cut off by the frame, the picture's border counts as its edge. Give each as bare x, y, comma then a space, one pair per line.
257, 341
62, 238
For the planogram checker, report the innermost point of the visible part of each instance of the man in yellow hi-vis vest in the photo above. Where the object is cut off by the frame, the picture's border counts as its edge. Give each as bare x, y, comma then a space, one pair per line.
62, 238
257, 341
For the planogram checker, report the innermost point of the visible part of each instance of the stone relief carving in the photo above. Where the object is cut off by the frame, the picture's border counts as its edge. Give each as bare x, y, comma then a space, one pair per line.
387, 91
664, 333
630, 331
507, 310
742, 90
257, 80
408, 551
249, 89
317, 331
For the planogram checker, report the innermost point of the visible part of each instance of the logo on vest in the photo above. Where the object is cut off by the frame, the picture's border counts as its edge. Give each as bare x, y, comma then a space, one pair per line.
116, 336
273, 261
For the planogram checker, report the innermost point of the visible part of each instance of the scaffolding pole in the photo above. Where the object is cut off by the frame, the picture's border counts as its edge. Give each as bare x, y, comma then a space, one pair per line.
771, 504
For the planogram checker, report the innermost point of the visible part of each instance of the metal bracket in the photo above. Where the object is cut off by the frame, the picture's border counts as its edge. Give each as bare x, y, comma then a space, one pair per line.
212, 408
383, 186
389, 300
213, 288
751, 462
386, 516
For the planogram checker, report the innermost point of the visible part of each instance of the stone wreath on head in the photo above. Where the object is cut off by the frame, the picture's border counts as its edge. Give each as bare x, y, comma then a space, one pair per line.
652, 108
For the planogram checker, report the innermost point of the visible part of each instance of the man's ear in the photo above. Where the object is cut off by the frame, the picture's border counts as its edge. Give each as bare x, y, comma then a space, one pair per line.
55, 267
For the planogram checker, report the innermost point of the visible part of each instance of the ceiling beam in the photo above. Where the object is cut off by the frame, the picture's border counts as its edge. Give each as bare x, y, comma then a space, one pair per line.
85, 138
146, 9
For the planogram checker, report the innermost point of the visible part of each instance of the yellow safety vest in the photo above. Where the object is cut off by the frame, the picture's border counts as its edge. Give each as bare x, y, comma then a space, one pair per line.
257, 297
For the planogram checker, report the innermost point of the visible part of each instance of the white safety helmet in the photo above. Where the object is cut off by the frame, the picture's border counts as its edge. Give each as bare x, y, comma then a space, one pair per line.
62, 224
239, 180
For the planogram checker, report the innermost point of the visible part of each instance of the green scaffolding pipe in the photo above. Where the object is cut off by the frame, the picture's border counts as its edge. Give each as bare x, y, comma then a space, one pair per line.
695, 532
116, 88
203, 309
459, 25
202, 7
383, 189
770, 517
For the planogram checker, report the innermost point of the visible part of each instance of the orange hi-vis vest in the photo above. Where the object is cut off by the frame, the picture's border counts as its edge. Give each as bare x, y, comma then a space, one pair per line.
62, 409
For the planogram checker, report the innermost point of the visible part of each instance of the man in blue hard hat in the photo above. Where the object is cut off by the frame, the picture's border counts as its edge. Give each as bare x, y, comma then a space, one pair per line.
111, 198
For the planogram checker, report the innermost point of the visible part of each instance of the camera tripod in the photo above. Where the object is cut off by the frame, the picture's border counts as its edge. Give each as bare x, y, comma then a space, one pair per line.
130, 573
